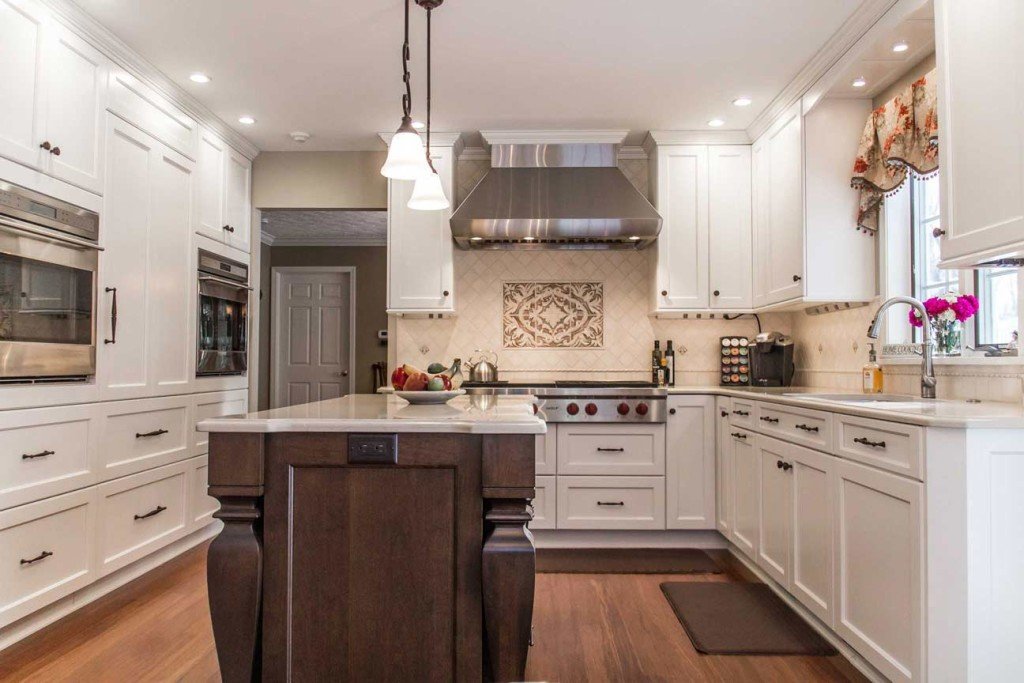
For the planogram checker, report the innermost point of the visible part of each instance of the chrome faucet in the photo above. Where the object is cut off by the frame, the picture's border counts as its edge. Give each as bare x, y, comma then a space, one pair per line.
927, 347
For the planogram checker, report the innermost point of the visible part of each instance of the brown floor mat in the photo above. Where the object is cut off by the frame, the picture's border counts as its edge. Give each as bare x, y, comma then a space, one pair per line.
625, 561
741, 619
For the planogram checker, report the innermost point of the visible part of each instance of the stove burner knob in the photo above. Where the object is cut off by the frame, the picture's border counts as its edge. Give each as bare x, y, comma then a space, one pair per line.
623, 409
641, 408
591, 409
572, 409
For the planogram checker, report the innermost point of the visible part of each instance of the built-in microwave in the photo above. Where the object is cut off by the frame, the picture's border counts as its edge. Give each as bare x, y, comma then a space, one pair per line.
222, 327
48, 260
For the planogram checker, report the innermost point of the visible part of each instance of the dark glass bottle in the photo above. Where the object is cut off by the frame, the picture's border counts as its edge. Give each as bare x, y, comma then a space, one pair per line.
670, 365
656, 362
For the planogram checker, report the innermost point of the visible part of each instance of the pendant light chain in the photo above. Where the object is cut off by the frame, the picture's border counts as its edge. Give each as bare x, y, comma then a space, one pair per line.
430, 162
406, 77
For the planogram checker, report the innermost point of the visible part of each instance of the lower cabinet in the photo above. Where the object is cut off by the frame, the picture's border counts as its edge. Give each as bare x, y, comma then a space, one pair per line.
611, 502
776, 510
746, 475
544, 508
689, 463
879, 528
812, 481
724, 489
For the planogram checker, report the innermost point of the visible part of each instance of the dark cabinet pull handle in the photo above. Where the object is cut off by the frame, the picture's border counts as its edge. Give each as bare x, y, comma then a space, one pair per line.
741, 413
113, 316
611, 450
618, 503
33, 456
786, 467
229, 228
770, 420
55, 151
155, 432
725, 414
778, 464
866, 442
155, 511
41, 556
739, 435
797, 278
45, 144
807, 428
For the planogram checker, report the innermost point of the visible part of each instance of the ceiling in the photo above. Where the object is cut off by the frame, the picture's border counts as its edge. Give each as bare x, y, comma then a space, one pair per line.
325, 227
333, 68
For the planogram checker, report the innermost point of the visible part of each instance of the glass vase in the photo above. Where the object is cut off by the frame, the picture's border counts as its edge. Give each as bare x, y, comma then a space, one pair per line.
947, 338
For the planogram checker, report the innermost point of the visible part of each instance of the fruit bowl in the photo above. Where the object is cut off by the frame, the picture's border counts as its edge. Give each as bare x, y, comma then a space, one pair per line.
429, 397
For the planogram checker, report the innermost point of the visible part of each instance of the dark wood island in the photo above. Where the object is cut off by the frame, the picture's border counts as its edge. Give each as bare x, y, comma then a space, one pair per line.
366, 539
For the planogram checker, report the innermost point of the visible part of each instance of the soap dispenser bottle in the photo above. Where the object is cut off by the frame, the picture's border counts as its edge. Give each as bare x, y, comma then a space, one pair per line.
871, 376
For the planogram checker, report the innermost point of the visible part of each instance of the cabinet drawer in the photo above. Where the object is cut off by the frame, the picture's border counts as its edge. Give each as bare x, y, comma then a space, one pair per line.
544, 503
141, 513
44, 552
889, 446
611, 502
611, 449
547, 447
201, 504
141, 106
217, 404
140, 435
44, 453
811, 428
742, 413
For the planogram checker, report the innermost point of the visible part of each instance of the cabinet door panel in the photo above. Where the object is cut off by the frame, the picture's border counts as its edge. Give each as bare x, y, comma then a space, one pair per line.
813, 483
773, 553
212, 153
76, 86
689, 463
236, 199
747, 504
782, 249
682, 198
21, 82
729, 219
725, 489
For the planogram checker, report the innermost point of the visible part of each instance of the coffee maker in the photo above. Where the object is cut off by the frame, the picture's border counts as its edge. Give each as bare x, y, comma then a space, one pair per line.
771, 360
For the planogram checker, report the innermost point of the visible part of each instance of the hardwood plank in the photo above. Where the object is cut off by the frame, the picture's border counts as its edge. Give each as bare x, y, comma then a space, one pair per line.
588, 627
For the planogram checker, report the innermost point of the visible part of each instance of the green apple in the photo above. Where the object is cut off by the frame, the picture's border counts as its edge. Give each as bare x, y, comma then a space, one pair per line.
435, 384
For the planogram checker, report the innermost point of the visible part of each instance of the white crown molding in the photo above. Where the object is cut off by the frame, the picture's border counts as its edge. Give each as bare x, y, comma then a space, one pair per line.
553, 137
82, 23
475, 154
326, 242
436, 139
266, 238
636, 152
695, 137
859, 23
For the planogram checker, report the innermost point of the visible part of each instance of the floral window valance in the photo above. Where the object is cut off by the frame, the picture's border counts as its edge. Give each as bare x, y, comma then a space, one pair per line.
900, 137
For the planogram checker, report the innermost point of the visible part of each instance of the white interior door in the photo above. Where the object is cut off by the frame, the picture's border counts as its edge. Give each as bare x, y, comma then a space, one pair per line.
312, 351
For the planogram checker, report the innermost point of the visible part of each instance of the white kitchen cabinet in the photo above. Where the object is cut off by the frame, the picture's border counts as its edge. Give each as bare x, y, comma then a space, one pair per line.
214, 404
729, 223
137, 103
546, 446
724, 485
223, 193
201, 505
611, 449
421, 277
53, 87
611, 503
146, 268
879, 556
680, 182
544, 503
776, 527
139, 435
746, 467
689, 463
813, 487
980, 60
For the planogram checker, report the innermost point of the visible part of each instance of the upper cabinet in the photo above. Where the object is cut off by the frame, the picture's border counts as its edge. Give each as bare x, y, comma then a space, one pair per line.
980, 58
702, 257
806, 245
224, 181
53, 87
420, 270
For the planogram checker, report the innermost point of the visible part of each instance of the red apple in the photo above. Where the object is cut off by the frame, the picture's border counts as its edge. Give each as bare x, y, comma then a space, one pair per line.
399, 377
447, 382
417, 382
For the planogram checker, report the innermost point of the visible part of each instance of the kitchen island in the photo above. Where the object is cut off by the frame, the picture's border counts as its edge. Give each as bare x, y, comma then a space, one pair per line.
368, 539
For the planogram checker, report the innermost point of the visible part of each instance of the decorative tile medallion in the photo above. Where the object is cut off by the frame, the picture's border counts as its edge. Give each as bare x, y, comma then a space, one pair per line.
553, 315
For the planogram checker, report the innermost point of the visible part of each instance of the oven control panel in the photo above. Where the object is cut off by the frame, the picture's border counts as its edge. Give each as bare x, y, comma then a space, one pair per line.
603, 409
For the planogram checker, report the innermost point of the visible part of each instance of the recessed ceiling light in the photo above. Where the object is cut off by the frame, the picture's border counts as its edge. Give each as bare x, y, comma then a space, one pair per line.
198, 77
716, 123
742, 101
859, 82
419, 125
247, 120
900, 47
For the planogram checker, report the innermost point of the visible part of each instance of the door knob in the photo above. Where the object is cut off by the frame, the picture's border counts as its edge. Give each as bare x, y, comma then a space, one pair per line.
343, 373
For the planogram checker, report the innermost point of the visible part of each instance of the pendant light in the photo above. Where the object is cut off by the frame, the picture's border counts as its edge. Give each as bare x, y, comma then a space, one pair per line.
428, 194
405, 152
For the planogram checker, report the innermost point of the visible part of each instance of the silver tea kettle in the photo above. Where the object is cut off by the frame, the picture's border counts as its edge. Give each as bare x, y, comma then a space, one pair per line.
481, 369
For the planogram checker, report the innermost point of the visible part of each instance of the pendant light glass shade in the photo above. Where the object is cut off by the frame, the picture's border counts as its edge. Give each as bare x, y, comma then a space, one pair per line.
405, 154
427, 194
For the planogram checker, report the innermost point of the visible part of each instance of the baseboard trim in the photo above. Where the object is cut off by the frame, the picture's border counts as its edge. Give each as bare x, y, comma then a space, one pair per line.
26, 626
845, 649
571, 538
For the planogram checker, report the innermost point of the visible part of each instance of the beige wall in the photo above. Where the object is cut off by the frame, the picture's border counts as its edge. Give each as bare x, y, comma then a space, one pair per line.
319, 180
915, 72
371, 287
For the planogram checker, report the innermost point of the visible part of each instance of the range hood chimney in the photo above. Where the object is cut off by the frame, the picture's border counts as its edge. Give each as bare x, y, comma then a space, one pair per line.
555, 196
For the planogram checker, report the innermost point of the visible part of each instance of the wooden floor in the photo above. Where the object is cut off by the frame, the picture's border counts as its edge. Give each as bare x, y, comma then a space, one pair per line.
588, 627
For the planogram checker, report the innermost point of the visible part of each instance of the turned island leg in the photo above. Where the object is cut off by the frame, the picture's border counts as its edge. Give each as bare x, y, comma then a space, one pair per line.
509, 562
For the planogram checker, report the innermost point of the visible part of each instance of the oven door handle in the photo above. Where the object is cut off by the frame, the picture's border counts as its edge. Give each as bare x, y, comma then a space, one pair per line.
9, 224
224, 281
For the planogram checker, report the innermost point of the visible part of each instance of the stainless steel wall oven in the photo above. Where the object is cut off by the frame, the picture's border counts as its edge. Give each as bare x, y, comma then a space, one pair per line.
222, 327
49, 253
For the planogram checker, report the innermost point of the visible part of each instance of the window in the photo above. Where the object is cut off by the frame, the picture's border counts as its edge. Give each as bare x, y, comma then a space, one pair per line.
929, 279
996, 289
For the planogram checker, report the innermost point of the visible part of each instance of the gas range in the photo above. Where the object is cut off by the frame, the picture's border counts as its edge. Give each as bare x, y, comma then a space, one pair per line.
595, 402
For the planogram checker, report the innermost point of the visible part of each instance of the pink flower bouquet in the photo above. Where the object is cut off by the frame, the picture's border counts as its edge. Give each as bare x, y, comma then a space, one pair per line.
946, 315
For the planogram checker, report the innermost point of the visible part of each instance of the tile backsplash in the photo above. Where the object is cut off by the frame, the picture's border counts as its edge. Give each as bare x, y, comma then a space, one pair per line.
552, 315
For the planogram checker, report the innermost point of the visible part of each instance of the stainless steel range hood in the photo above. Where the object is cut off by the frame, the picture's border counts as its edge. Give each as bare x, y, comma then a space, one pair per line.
566, 196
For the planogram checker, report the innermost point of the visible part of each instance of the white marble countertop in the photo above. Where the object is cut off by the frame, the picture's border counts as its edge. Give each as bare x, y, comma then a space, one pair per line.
912, 410
388, 413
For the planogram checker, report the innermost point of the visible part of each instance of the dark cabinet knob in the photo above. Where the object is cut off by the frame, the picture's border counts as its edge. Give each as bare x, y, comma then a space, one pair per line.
55, 151
664, 292
717, 293
938, 232
797, 278
229, 228
45, 144
446, 293
671, 411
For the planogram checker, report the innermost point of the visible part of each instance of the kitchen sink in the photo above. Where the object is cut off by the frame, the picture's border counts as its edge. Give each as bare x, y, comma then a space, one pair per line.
861, 398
